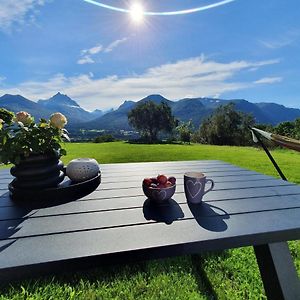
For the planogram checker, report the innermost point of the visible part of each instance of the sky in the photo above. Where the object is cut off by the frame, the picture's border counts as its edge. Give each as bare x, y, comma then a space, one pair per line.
244, 49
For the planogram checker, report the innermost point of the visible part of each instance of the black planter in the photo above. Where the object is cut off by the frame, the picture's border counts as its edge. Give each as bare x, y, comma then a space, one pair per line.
38, 172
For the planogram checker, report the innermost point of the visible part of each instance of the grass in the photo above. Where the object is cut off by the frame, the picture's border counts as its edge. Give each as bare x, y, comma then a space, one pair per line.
231, 274
248, 157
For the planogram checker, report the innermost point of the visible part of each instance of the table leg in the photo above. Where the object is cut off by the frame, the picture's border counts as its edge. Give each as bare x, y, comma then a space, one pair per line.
278, 272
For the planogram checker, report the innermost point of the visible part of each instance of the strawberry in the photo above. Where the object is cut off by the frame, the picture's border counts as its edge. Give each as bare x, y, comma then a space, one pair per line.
162, 179
147, 181
169, 184
172, 180
154, 180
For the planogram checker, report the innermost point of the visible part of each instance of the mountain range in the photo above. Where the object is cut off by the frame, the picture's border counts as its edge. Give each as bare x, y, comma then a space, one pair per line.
184, 109
196, 109
44, 108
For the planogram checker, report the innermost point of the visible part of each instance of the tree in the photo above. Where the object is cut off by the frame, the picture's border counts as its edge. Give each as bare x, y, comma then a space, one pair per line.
286, 129
226, 126
297, 129
149, 119
185, 130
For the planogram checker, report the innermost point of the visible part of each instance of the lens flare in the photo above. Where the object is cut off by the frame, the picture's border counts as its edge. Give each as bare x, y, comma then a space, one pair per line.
137, 12
161, 13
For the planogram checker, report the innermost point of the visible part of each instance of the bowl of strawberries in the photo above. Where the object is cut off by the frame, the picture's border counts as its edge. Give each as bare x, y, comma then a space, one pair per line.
160, 188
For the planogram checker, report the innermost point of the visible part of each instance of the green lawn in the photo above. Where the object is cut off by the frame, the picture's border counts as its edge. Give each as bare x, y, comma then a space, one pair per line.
231, 274
247, 157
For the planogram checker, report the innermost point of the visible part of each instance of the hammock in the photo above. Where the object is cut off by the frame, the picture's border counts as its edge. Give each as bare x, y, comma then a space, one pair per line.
277, 139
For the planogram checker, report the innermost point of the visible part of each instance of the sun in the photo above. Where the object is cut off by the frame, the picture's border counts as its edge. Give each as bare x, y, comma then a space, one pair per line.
137, 12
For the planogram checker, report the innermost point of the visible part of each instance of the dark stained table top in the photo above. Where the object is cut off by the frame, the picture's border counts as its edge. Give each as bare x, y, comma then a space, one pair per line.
116, 223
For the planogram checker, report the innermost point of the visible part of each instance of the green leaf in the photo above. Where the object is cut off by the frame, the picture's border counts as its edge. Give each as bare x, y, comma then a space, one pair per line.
43, 125
63, 152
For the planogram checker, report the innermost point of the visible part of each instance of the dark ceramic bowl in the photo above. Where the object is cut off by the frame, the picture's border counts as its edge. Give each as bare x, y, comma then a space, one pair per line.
159, 195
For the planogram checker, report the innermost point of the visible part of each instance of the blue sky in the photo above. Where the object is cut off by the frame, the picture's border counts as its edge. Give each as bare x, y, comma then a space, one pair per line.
245, 49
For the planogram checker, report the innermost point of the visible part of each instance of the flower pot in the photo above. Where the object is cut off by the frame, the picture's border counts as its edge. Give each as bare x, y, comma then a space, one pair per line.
38, 172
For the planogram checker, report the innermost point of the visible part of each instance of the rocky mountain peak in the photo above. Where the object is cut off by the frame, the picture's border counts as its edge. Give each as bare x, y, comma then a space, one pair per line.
59, 99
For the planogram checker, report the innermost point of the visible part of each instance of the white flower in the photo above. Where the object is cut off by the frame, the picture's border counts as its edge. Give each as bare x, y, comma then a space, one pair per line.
58, 120
24, 117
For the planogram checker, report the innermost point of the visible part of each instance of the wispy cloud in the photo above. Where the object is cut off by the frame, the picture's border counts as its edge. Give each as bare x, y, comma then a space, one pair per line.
284, 40
194, 76
2, 78
268, 80
87, 54
115, 44
86, 59
92, 51
17, 12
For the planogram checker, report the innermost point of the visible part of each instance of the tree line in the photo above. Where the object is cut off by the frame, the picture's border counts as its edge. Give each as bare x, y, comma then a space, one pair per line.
225, 126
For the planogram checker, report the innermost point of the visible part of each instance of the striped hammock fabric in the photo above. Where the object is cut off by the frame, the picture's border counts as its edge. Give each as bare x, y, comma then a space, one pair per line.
277, 139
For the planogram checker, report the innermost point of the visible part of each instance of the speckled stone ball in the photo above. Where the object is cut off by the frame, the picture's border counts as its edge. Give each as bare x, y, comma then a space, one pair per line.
82, 169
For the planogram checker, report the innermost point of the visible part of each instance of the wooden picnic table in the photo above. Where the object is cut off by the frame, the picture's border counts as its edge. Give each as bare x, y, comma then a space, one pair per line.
117, 223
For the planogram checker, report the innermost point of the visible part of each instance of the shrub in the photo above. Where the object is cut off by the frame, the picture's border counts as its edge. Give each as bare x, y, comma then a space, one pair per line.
105, 138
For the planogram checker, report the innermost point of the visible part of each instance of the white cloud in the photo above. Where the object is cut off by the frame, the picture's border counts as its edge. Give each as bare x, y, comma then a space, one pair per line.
115, 44
2, 78
92, 51
193, 76
277, 44
87, 54
85, 60
268, 80
17, 11
284, 40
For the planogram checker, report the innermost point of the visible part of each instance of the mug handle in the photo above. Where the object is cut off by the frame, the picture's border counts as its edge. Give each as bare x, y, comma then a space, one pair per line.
212, 185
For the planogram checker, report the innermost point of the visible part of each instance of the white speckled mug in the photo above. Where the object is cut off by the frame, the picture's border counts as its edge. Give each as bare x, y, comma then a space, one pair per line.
194, 186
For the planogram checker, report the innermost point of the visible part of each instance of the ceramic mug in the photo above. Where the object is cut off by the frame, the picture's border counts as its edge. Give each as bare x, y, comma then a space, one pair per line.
194, 186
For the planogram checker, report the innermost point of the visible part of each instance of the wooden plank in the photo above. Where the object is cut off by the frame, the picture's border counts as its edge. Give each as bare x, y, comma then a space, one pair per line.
242, 175
222, 186
168, 171
150, 164
218, 177
153, 170
214, 195
236, 176
40, 223
159, 239
171, 171
9, 212
179, 182
5, 173
76, 207
133, 192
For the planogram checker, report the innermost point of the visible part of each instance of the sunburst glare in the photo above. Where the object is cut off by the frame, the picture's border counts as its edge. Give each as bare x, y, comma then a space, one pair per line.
137, 12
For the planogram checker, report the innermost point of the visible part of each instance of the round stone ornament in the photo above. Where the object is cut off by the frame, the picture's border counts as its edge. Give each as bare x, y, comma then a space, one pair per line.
81, 169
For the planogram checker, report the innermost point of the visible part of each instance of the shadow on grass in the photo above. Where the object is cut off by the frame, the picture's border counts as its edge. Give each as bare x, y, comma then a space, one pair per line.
201, 277
106, 274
